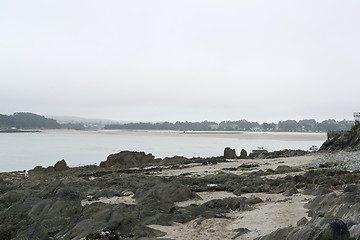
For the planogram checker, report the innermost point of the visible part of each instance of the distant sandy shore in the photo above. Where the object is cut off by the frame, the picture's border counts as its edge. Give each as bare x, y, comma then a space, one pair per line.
284, 136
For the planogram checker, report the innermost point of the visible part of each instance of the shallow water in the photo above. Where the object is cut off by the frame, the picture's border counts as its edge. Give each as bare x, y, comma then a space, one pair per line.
26, 150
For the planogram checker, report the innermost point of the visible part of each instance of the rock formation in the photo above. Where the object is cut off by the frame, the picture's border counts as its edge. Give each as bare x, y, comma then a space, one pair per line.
278, 154
243, 154
58, 167
343, 140
129, 159
229, 153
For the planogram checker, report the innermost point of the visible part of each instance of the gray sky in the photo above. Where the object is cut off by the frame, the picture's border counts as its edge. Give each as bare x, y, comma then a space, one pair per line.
191, 60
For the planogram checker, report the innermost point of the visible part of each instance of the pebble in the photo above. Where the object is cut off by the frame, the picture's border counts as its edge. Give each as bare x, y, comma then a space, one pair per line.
346, 160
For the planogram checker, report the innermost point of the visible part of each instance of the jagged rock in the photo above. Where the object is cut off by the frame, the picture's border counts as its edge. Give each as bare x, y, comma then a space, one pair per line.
248, 166
278, 154
243, 154
254, 200
352, 188
230, 203
337, 229
175, 160
343, 140
328, 165
355, 231
317, 191
280, 233
58, 167
302, 222
38, 169
129, 159
229, 153
11, 197
241, 231
198, 222
61, 166
283, 169
290, 192
329, 212
165, 193
353, 220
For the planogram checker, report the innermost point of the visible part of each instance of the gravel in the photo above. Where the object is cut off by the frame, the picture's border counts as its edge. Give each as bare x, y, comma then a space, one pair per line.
339, 160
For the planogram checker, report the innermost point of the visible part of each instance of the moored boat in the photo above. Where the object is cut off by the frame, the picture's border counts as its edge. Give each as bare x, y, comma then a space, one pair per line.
314, 148
259, 150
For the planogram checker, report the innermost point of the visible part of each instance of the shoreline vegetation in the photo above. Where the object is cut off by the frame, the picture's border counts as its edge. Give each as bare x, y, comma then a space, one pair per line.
19, 131
24, 121
133, 195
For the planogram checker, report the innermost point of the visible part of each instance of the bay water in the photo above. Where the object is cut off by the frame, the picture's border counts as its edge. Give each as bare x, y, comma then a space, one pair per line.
19, 151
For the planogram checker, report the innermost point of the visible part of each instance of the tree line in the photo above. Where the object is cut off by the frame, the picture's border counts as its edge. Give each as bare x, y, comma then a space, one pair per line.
25, 120
307, 125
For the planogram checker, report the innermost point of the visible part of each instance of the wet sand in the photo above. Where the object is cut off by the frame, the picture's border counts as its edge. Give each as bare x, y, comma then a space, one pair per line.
277, 210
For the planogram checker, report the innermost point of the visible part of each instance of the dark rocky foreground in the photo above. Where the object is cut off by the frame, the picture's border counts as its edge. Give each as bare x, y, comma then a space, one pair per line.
68, 203
49, 204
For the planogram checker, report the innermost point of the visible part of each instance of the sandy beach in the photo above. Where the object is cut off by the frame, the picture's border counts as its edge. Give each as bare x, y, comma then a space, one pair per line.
262, 164
277, 210
286, 136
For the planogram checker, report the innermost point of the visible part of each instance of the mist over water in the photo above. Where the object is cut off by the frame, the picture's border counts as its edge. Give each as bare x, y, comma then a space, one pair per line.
21, 151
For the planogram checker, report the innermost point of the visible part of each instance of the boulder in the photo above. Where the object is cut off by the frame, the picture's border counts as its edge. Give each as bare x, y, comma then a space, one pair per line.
61, 166
282, 169
302, 222
229, 153
355, 231
38, 169
254, 200
230, 203
280, 233
277, 154
290, 192
352, 188
337, 229
243, 154
240, 231
317, 191
165, 193
175, 160
58, 167
129, 159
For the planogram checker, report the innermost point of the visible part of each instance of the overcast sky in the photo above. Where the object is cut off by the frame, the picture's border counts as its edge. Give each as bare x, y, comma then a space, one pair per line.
190, 60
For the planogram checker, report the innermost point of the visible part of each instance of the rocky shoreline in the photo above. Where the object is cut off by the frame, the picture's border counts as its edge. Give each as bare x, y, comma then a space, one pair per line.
137, 196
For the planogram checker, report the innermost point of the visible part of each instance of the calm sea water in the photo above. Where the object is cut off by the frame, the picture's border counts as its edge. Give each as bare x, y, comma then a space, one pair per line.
21, 151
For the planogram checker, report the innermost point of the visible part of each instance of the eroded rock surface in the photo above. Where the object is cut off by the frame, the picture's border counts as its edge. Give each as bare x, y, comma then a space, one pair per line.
343, 140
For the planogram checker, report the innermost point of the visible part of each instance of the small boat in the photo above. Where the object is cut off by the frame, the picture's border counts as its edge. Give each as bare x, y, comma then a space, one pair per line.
314, 148
259, 150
